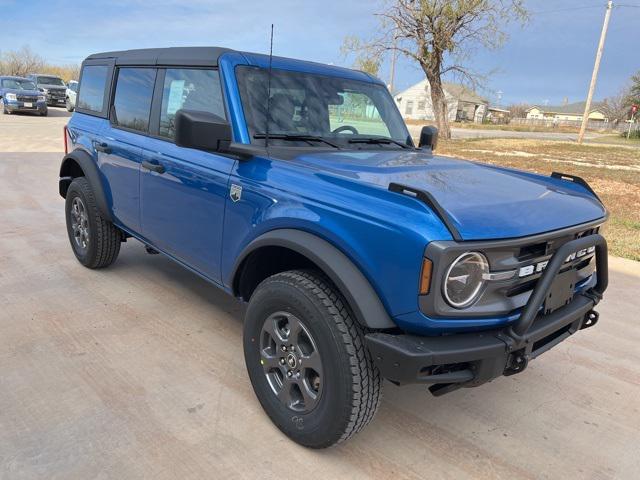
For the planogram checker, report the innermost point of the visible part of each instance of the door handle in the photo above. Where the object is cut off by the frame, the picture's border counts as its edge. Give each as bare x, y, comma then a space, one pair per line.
102, 147
154, 167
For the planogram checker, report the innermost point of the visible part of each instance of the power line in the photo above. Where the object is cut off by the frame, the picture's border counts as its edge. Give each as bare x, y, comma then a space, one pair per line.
569, 9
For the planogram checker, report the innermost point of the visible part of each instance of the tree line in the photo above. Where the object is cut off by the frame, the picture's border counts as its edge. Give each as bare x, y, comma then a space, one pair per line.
24, 61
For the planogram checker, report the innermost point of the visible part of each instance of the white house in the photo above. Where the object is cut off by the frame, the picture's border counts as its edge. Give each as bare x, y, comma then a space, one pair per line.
462, 104
568, 112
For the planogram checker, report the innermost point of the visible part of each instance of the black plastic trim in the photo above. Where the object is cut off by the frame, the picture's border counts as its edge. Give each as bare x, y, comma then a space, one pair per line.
361, 296
406, 359
91, 173
432, 203
576, 179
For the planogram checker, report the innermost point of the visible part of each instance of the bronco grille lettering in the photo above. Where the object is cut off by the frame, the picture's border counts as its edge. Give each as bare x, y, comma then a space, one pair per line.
540, 266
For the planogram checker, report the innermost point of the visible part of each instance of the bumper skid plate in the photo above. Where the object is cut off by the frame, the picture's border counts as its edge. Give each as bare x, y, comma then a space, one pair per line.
471, 359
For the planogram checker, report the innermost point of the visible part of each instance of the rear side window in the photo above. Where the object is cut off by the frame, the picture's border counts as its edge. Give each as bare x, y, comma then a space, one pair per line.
189, 89
94, 81
132, 100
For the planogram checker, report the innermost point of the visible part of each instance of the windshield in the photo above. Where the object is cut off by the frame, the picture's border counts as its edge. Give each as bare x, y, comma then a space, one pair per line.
340, 110
18, 84
51, 81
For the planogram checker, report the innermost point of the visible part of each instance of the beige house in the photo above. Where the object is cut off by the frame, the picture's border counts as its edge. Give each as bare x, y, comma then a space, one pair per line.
463, 104
570, 111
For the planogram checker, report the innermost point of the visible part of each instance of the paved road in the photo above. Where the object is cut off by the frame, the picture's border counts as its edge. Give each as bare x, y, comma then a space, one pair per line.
137, 371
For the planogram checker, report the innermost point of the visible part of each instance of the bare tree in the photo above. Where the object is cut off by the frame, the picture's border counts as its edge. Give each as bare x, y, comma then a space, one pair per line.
366, 58
633, 96
439, 35
617, 106
20, 62
518, 110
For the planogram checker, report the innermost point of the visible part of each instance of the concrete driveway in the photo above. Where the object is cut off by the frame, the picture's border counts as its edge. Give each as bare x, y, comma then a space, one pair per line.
137, 371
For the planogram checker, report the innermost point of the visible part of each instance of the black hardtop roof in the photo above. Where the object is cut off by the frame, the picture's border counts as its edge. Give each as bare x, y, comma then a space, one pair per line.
187, 56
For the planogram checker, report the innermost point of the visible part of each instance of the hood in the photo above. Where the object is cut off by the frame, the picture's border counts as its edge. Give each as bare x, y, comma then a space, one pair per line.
19, 91
51, 87
484, 201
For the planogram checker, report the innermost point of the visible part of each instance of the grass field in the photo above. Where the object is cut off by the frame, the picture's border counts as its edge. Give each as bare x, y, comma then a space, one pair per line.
612, 171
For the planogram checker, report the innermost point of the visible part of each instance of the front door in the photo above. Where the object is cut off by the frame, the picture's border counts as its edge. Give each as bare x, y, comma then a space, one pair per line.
183, 191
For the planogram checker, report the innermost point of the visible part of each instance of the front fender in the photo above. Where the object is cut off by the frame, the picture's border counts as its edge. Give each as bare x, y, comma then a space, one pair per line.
362, 298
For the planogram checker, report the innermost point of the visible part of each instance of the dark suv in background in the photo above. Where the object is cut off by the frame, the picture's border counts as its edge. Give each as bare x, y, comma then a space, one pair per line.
53, 87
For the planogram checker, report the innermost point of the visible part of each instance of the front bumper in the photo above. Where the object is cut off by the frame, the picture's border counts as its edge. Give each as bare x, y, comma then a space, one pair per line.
471, 359
56, 99
22, 107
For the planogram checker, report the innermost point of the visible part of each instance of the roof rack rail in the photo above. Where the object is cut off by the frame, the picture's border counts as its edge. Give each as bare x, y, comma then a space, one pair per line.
575, 179
428, 199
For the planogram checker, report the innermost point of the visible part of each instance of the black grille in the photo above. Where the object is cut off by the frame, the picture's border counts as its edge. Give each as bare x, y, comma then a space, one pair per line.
26, 98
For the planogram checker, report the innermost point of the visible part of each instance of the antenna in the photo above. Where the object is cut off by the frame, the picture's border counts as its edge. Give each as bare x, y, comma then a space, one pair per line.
266, 133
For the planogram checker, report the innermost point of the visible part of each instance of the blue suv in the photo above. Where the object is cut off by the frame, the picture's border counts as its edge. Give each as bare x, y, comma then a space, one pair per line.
19, 94
296, 187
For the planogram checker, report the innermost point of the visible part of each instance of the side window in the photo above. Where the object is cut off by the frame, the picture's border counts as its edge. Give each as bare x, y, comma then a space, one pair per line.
94, 81
132, 100
190, 89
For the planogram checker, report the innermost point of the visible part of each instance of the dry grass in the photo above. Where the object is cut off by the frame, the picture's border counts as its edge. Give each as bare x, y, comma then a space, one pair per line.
612, 171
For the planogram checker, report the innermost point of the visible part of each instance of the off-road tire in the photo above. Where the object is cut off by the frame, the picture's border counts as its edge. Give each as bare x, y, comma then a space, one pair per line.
351, 385
104, 237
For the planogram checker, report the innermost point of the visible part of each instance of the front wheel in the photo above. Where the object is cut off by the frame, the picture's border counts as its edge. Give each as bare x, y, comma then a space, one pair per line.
307, 361
69, 106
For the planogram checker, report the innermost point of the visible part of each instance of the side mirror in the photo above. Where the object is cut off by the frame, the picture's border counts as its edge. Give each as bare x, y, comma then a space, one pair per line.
201, 130
428, 137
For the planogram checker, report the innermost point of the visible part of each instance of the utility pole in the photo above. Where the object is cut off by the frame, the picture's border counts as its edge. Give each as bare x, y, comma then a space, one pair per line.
394, 54
596, 67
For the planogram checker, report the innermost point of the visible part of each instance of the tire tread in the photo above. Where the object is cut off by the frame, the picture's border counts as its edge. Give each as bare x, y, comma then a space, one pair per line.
367, 382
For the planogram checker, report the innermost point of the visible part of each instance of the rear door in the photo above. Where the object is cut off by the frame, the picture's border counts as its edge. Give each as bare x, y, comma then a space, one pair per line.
119, 149
184, 190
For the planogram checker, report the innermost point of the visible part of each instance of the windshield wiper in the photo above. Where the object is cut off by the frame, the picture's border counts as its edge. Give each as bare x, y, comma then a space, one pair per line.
378, 141
292, 137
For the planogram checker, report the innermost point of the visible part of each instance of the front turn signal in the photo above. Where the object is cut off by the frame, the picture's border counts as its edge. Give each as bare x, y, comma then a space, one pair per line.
425, 276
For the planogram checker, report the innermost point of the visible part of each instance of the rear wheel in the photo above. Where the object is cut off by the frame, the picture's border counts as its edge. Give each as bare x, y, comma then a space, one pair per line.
95, 241
307, 361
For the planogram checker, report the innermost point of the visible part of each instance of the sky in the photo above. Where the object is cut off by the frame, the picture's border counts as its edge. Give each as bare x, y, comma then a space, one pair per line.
548, 60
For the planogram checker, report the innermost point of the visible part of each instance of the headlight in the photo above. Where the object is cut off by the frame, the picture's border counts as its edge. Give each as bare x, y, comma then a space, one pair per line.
11, 96
44, 90
41, 98
464, 279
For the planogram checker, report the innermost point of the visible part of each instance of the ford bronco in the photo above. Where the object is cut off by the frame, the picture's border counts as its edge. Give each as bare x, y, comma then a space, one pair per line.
296, 187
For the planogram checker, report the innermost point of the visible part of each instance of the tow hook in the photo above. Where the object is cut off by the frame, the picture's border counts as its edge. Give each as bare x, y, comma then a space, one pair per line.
590, 319
516, 363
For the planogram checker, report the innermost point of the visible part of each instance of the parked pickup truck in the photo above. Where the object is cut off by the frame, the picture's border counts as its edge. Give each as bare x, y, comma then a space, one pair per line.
53, 87
296, 187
